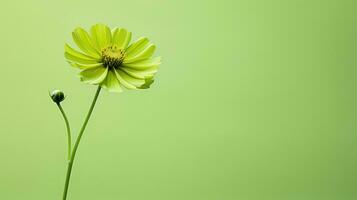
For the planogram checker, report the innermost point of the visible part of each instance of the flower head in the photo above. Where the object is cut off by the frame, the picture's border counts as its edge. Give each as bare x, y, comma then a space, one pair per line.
108, 59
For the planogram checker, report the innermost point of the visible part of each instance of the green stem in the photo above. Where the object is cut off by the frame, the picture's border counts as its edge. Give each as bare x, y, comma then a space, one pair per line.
69, 140
73, 155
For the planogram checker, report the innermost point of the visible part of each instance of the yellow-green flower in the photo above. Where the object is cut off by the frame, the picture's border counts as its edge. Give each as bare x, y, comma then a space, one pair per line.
109, 60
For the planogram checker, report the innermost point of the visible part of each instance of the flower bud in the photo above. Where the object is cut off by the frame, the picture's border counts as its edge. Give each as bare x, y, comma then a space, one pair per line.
57, 96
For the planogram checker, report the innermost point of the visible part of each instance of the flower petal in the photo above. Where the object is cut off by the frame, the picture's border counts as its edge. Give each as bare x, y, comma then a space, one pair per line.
79, 57
94, 75
131, 80
111, 82
144, 54
121, 37
85, 43
142, 74
137, 47
125, 83
101, 36
144, 64
84, 66
148, 82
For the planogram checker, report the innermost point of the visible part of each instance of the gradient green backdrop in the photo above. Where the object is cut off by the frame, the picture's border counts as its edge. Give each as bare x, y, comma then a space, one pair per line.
255, 100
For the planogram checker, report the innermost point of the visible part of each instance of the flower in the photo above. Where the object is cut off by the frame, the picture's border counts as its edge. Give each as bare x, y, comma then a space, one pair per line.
108, 59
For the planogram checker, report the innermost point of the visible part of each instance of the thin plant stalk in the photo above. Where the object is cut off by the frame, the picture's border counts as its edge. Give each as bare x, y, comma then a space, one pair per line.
75, 147
69, 137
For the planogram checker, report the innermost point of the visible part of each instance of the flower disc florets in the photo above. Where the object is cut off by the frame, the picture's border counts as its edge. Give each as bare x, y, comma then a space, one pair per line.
112, 57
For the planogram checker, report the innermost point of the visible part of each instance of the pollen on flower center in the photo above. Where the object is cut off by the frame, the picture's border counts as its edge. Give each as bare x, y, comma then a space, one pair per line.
112, 56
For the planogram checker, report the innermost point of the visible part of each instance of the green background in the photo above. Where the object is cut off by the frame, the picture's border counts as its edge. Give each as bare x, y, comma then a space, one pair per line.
255, 100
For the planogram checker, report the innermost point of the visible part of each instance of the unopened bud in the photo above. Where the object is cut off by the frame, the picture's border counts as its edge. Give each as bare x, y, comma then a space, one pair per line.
57, 96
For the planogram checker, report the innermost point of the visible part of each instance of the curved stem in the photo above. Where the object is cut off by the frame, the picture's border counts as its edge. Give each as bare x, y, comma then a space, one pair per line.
69, 137
73, 155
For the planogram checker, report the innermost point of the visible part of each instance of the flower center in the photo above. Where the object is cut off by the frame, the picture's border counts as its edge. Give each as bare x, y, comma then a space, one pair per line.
112, 56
